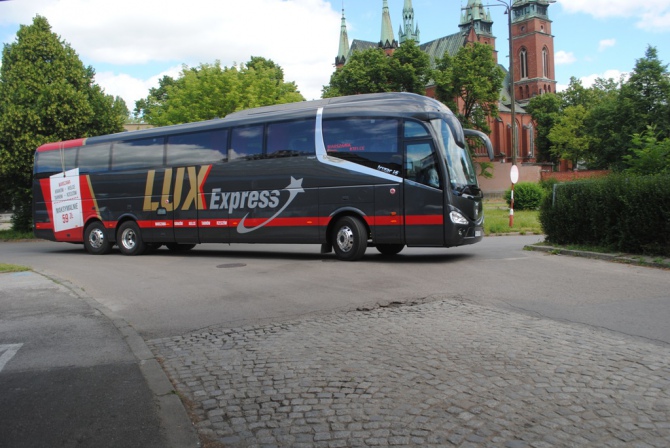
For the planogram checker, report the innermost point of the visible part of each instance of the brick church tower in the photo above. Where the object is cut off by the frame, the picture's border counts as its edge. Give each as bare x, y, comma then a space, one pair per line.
533, 47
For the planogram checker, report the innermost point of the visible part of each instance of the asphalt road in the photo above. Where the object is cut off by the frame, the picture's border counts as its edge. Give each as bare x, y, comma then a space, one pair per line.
166, 294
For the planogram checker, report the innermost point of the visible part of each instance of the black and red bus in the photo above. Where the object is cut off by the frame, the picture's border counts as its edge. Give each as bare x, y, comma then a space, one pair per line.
383, 170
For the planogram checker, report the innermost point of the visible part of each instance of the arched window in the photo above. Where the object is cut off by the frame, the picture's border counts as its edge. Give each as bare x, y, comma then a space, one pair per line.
545, 62
523, 58
531, 140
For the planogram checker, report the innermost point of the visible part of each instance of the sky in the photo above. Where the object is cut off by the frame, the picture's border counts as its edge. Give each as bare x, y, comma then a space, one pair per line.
131, 44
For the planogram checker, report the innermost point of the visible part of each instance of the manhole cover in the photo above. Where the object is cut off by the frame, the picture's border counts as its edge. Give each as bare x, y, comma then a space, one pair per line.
231, 265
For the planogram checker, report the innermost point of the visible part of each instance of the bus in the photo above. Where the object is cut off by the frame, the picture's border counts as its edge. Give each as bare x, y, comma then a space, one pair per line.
385, 170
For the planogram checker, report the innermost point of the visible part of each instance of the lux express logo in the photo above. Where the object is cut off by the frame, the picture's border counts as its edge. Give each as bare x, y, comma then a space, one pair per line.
232, 201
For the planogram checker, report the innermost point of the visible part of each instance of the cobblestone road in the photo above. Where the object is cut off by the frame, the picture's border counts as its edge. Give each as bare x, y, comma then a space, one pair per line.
440, 373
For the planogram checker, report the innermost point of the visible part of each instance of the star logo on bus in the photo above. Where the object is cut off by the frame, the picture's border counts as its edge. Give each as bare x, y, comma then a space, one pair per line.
294, 188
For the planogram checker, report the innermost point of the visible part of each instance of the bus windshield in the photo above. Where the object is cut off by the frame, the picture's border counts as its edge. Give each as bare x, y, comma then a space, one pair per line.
459, 164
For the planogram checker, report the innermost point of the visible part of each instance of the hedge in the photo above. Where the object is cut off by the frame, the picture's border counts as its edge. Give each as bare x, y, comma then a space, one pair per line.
620, 212
527, 196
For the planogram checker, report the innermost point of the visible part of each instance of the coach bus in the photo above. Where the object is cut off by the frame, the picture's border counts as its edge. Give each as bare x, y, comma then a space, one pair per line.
384, 170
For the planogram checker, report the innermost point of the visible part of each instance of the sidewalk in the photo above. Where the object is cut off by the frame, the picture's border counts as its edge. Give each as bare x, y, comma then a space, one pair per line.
640, 260
75, 374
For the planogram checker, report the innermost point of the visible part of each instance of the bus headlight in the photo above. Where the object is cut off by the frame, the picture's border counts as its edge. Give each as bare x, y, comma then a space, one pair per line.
457, 218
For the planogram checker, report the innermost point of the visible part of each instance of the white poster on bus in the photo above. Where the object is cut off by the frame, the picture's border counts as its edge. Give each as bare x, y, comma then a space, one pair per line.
66, 200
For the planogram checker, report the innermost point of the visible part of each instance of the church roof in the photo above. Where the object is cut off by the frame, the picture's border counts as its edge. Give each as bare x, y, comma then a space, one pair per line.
437, 48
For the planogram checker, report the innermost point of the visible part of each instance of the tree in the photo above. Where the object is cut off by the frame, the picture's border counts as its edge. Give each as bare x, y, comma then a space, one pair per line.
46, 95
546, 111
372, 71
212, 90
649, 154
472, 79
568, 137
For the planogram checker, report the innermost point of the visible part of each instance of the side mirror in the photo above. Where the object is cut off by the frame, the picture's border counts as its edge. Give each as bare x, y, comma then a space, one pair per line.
483, 137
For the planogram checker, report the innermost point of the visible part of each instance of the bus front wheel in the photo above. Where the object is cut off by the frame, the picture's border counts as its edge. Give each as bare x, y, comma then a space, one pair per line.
129, 239
95, 239
350, 238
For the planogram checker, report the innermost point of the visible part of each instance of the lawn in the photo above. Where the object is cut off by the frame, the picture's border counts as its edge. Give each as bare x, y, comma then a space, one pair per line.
496, 219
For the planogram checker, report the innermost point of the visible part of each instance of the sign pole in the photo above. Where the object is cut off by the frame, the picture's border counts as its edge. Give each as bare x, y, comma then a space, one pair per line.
514, 177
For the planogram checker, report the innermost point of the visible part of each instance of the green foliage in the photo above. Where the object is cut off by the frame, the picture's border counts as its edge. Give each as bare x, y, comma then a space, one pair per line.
545, 110
371, 71
649, 155
211, 90
527, 196
569, 137
472, 78
46, 94
621, 212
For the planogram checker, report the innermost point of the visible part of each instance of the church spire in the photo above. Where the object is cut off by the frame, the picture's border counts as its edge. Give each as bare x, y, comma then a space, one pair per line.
476, 16
344, 43
387, 41
409, 32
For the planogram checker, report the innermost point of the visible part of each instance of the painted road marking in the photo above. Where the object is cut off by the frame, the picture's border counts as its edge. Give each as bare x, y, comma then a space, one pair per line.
7, 352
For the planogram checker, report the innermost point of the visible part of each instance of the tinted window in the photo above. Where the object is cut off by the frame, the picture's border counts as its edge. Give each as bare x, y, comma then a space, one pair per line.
421, 165
415, 129
198, 148
292, 138
52, 161
93, 159
247, 142
137, 154
370, 142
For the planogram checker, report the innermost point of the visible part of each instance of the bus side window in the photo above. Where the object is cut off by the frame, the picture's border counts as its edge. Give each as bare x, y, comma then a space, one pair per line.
51, 162
138, 154
94, 159
415, 129
421, 165
198, 148
246, 143
292, 138
372, 142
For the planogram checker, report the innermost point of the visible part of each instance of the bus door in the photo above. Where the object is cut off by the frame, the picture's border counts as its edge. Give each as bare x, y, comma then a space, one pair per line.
423, 195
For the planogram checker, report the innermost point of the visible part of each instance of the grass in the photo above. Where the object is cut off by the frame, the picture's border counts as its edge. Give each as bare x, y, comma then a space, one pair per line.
12, 235
496, 222
12, 268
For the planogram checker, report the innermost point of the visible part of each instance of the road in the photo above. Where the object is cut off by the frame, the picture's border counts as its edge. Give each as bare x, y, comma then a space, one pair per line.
282, 346
165, 294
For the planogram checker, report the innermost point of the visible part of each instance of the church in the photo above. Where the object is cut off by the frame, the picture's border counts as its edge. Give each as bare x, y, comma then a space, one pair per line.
533, 62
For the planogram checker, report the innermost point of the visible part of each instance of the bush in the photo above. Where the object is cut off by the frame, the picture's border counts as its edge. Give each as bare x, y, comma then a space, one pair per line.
527, 196
624, 213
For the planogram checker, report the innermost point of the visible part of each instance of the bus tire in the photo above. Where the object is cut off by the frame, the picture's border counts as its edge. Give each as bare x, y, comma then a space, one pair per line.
129, 239
390, 249
177, 247
350, 238
95, 239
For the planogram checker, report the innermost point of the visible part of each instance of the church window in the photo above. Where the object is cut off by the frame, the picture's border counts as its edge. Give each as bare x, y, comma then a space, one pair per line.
545, 62
523, 58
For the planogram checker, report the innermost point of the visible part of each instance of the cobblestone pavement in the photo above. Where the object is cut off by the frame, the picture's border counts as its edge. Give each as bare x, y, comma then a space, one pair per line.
440, 373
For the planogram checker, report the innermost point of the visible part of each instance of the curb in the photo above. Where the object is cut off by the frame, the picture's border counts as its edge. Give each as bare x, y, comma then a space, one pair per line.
617, 258
179, 430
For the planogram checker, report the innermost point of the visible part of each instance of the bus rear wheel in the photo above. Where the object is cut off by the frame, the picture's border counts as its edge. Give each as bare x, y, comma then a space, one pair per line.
95, 239
390, 249
129, 239
350, 238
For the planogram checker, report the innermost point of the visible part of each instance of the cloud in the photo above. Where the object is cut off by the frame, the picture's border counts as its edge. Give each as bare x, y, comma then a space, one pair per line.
299, 35
130, 88
564, 58
606, 43
651, 15
588, 81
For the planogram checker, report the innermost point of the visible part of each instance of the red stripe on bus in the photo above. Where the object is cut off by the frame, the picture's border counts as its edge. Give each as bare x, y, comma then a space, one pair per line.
424, 220
64, 145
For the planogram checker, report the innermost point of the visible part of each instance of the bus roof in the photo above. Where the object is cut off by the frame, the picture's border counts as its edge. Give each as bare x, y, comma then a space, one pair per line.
394, 103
